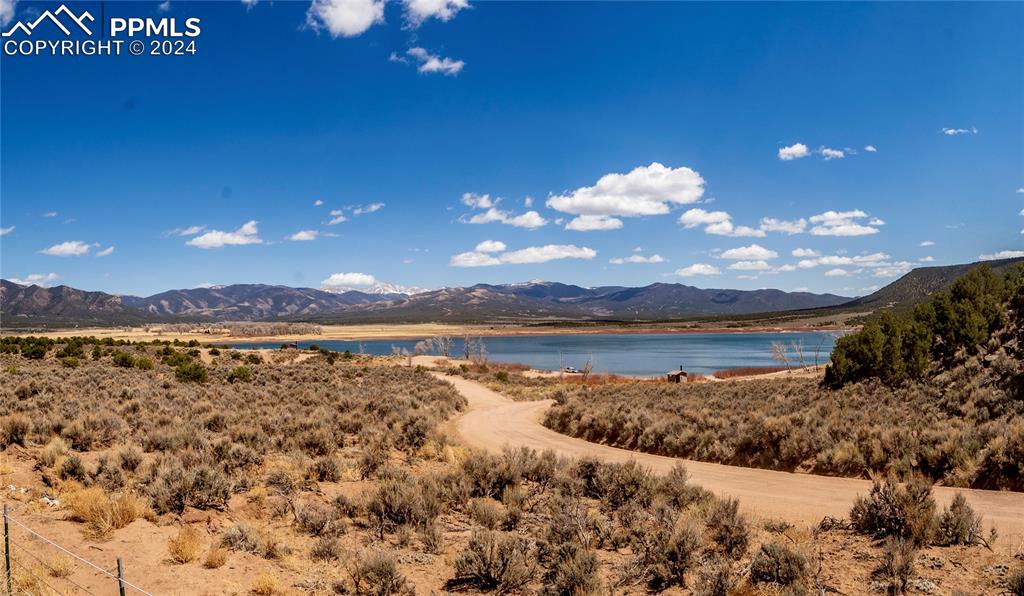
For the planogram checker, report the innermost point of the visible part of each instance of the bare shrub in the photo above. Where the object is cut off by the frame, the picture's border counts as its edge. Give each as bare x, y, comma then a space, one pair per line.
13, 429
716, 578
777, 563
240, 537
897, 566
486, 512
728, 528
574, 571
494, 561
376, 573
1015, 582
899, 511
432, 537
326, 549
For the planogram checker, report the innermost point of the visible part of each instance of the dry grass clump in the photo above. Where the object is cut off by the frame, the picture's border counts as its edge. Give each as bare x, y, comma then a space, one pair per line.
265, 584
376, 572
495, 561
216, 557
892, 510
102, 513
184, 546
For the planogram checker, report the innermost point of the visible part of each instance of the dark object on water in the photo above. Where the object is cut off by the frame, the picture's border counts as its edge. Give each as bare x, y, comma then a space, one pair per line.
676, 376
290, 345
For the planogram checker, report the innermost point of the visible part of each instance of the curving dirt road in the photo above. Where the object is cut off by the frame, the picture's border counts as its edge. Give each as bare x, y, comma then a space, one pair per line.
492, 421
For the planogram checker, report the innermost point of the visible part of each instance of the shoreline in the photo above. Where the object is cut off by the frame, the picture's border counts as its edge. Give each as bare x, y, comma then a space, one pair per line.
421, 331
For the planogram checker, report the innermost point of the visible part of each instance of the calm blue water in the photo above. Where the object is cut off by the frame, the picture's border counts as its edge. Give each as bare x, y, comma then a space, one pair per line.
624, 354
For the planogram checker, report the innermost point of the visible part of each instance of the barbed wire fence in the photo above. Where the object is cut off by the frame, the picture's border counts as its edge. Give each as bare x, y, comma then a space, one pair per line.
25, 567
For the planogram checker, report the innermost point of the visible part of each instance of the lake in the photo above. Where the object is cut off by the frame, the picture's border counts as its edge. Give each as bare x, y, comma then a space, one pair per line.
646, 354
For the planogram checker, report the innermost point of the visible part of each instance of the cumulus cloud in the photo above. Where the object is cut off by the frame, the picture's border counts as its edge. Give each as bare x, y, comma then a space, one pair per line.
304, 235
794, 151
247, 234
317, 203
50, 214
530, 220
591, 223
337, 217
718, 223
870, 148
6, 231
428, 63
372, 207
7, 10
490, 246
837, 273
750, 266
637, 259
698, 269
868, 260
754, 252
476, 201
805, 252
71, 248
344, 18
926, 243
829, 153
36, 279
928, 259
959, 131
843, 223
1020, 190
1003, 254
529, 255
345, 280
645, 190
106, 252
771, 224
418, 11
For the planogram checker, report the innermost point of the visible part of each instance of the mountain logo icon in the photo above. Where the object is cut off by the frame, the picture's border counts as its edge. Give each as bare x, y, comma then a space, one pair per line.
56, 18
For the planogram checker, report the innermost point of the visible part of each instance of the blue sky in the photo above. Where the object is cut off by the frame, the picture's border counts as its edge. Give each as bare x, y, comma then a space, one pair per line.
658, 142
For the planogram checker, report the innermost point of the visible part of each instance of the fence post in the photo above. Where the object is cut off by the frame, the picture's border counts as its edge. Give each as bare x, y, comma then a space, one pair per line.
7, 552
120, 576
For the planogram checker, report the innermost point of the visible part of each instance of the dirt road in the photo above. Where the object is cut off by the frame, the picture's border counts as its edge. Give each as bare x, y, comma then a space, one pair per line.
493, 421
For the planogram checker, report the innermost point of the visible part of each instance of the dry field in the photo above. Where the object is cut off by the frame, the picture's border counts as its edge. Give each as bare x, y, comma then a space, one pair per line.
222, 472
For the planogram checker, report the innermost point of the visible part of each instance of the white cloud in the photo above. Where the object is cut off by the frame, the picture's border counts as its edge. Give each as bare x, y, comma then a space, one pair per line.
6, 231
794, 151
699, 217
418, 11
876, 221
337, 217
164, 6
1020, 190
344, 18
317, 203
71, 248
698, 269
528, 202
928, 259
530, 220
837, 273
726, 228
645, 190
805, 252
490, 246
106, 252
304, 235
372, 207
926, 243
786, 268
189, 231
37, 279
492, 215
1003, 254
530, 255
829, 153
637, 259
7, 9
959, 131
247, 234
50, 214
870, 148
754, 252
893, 269
750, 266
476, 201
344, 280
842, 223
591, 223
432, 63
868, 260
771, 224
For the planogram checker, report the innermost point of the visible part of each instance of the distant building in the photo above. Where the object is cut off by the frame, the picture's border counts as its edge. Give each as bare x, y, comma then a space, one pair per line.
675, 376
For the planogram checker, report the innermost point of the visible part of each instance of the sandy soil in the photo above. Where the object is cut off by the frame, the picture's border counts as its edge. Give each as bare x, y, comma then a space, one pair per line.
493, 421
421, 330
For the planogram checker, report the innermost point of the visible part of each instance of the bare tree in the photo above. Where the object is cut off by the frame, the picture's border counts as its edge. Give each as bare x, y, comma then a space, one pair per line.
798, 349
817, 351
466, 348
442, 344
780, 353
588, 367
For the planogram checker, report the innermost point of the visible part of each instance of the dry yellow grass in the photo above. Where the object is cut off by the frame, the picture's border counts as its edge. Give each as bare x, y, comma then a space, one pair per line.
265, 584
61, 566
184, 546
102, 513
216, 558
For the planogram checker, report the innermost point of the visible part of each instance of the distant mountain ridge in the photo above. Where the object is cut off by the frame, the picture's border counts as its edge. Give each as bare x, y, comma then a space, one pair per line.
535, 301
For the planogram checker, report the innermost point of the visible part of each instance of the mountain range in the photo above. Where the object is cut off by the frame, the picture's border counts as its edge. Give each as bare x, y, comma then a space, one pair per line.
34, 306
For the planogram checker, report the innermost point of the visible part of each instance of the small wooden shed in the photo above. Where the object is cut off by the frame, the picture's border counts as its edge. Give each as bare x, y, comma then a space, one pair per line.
675, 376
